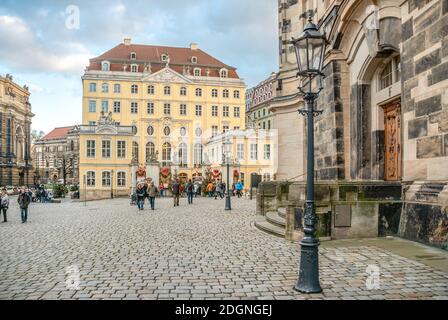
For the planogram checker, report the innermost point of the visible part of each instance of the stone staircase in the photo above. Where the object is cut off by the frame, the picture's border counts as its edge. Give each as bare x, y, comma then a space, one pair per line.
274, 222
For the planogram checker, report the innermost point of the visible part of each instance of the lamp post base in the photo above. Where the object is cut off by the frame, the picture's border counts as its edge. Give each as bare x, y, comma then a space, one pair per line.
228, 203
309, 267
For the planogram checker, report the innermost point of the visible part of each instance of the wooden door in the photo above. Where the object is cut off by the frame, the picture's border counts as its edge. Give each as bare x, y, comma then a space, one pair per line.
392, 136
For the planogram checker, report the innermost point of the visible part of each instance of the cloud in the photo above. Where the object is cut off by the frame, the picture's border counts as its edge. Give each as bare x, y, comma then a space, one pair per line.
24, 52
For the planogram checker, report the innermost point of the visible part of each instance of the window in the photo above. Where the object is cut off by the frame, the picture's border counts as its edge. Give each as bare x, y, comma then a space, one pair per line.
92, 123
267, 152
121, 179
92, 106
264, 112
198, 92
225, 128
166, 131
133, 56
105, 88
183, 155
134, 89
134, 107
183, 110
105, 106
106, 179
167, 90
150, 150
223, 73
198, 111
150, 109
215, 93
151, 90
183, 131
225, 93
91, 148
92, 87
135, 151
236, 112
214, 131
225, 111
121, 149
264, 125
166, 153
236, 128
236, 94
197, 72
164, 57
117, 88
106, 149
390, 74
194, 59
198, 149
214, 111
183, 91
269, 124
240, 151
105, 66
90, 178
166, 109
117, 106
198, 132
254, 152
150, 130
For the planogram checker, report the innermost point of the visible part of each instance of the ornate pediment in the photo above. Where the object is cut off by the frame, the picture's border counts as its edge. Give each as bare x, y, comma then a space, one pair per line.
106, 125
167, 75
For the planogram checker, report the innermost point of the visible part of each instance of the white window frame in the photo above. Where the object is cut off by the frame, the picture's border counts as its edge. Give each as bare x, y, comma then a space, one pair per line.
121, 177
90, 179
106, 150
134, 107
254, 151
105, 66
103, 179
90, 149
121, 149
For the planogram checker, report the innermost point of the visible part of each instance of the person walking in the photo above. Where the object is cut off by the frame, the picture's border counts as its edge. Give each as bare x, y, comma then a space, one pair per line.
239, 188
4, 204
218, 191
153, 192
175, 189
210, 189
162, 189
24, 201
141, 195
190, 191
196, 188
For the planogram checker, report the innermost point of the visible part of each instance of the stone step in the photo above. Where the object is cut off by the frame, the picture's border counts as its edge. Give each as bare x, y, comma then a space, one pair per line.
274, 218
262, 224
282, 212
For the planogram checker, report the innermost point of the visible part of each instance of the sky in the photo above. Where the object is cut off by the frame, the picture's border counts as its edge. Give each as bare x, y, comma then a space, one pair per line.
46, 45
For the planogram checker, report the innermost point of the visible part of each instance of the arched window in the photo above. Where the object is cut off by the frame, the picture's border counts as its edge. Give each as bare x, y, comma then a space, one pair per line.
167, 90
105, 66
133, 56
150, 130
150, 150
183, 155
105, 88
135, 151
166, 152
198, 149
183, 131
164, 57
166, 131
198, 92
194, 59
134, 68
183, 91
198, 132
223, 73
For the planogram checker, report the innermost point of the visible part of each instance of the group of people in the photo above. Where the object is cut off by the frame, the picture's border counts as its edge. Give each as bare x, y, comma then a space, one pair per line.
218, 189
24, 199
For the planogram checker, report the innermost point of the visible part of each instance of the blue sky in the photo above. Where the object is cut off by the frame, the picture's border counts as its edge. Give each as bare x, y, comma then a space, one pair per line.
39, 50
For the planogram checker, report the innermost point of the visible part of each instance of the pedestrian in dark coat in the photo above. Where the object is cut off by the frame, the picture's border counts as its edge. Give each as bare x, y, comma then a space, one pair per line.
24, 201
175, 189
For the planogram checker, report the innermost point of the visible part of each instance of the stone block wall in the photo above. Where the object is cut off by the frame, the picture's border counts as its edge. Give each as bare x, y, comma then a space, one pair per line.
425, 90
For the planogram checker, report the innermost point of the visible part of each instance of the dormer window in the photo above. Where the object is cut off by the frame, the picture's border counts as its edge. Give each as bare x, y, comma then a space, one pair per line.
223, 73
134, 68
105, 66
197, 72
194, 60
164, 57
133, 56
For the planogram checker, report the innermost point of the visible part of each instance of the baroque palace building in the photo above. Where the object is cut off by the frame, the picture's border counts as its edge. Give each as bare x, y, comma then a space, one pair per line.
382, 140
15, 134
175, 99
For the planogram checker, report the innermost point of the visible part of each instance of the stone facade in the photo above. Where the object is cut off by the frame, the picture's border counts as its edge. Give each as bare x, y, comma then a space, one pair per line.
16, 167
385, 116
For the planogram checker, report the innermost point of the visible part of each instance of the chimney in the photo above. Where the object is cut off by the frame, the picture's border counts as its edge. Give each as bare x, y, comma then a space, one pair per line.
193, 46
127, 41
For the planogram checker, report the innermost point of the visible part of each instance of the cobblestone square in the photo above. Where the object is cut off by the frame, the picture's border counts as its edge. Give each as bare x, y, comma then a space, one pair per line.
191, 252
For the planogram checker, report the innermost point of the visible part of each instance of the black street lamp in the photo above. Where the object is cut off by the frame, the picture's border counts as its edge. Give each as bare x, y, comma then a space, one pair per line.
227, 158
310, 49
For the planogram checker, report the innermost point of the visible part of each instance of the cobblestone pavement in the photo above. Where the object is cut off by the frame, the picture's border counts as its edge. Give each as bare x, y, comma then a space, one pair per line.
191, 252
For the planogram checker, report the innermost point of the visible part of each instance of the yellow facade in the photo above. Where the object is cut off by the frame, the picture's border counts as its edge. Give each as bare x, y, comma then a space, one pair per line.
174, 114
